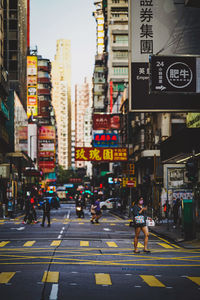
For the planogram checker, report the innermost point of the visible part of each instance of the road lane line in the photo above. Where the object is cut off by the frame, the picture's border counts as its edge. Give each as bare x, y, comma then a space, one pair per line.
112, 244
50, 277
29, 244
195, 280
68, 214
2, 244
152, 281
54, 292
166, 246
55, 243
5, 277
84, 243
103, 279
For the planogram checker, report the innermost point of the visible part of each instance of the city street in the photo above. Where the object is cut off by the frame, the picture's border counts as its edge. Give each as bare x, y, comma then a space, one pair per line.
75, 259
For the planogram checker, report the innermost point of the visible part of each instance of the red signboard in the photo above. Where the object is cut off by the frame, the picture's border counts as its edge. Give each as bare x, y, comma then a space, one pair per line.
106, 122
46, 164
101, 154
47, 133
75, 180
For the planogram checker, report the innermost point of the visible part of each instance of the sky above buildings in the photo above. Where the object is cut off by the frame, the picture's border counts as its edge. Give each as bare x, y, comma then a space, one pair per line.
73, 20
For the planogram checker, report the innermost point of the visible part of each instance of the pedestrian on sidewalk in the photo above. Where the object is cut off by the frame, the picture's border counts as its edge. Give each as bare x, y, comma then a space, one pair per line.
139, 219
176, 209
46, 212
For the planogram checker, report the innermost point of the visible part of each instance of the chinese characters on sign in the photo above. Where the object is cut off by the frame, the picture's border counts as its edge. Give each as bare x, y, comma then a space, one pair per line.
174, 74
32, 101
146, 27
106, 140
106, 122
101, 154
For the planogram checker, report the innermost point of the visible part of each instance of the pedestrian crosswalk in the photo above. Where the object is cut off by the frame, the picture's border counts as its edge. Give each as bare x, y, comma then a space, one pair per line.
106, 279
85, 243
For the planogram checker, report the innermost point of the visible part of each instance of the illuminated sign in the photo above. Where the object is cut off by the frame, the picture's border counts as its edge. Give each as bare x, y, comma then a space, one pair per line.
106, 140
32, 101
101, 154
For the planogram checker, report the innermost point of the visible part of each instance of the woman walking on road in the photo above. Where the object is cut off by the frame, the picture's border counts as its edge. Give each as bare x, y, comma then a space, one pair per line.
139, 219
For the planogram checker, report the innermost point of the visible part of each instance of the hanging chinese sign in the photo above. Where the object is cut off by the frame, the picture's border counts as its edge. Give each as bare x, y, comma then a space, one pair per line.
101, 154
154, 31
32, 100
174, 74
106, 140
106, 121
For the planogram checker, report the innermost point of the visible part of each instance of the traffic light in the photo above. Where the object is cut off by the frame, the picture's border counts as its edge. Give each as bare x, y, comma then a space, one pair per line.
192, 170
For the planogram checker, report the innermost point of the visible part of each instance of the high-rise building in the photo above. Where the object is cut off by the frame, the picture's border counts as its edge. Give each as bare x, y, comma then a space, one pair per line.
117, 19
83, 116
15, 45
61, 96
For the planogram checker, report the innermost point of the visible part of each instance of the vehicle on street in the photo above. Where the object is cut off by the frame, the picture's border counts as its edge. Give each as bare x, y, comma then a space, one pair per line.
53, 201
109, 203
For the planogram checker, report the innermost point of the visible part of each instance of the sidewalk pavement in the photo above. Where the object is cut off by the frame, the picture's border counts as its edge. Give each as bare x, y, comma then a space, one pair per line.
167, 230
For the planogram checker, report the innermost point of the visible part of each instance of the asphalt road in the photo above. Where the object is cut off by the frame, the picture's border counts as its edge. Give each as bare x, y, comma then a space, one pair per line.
74, 259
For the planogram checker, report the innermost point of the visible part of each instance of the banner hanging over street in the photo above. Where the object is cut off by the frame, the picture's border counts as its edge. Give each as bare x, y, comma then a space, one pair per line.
101, 154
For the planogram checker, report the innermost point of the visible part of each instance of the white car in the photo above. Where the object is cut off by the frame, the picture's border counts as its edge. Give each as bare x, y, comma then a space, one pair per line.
109, 203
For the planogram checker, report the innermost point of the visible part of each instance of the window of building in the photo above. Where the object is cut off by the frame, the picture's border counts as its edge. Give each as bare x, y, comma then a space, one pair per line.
13, 4
120, 71
120, 39
120, 54
115, 15
115, 1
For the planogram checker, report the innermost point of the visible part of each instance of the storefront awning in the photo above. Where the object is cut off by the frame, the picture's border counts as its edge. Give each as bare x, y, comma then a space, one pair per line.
179, 147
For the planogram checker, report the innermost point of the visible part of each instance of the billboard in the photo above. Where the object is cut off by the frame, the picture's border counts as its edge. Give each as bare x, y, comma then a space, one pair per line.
47, 133
32, 101
174, 74
106, 121
32, 141
156, 28
106, 140
101, 154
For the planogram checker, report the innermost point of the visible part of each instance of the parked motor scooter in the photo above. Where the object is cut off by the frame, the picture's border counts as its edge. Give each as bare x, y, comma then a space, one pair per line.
79, 211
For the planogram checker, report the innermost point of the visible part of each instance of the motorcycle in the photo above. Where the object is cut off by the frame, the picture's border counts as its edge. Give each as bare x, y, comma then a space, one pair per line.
79, 211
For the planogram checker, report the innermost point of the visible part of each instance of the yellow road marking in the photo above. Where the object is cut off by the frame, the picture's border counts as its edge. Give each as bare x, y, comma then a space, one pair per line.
81, 223
103, 279
5, 277
112, 224
195, 280
50, 277
56, 243
17, 223
139, 245
167, 246
176, 246
152, 281
29, 244
112, 244
2, 244
84, 243
160, 238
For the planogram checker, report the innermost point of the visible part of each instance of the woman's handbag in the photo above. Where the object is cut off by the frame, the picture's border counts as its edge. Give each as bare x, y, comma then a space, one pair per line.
150, 222
139, 220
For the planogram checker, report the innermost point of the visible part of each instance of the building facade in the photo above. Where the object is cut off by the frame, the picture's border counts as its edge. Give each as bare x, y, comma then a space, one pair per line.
83, 117
61, 99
